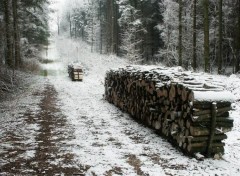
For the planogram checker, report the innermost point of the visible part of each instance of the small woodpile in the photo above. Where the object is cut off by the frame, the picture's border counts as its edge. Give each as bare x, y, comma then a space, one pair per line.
75, 72
190, 109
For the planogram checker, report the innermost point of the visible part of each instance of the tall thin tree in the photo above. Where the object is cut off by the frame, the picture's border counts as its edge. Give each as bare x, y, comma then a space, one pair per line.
180, 33
17, 55
101, 26
194, 35
206, 35
70, 24
237, 67
9, 43
220, 36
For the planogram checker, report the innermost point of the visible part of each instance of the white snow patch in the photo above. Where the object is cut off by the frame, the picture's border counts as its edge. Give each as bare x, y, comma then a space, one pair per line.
105, 137
224, 96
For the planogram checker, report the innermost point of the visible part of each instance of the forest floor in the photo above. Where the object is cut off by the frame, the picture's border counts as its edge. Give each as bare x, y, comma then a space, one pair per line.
60, 127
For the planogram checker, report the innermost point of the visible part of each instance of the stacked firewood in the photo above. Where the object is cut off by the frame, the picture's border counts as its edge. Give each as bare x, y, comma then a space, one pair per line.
75, 71
172, 102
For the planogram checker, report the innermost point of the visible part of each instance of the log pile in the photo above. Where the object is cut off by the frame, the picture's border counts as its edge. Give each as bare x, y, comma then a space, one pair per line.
75, 72
175, 103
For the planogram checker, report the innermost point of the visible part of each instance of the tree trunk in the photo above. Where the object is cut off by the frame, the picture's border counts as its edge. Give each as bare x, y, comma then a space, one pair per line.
194, 35
1, 43
206, 35
70, 24
238, 41
9, 54
58, 23
112, 27
180, 34
220, 37
17, 55
116, 29
109, 26
92, 26
101, 26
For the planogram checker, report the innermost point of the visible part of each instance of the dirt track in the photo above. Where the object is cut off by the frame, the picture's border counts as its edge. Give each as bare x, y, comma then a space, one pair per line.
52, 132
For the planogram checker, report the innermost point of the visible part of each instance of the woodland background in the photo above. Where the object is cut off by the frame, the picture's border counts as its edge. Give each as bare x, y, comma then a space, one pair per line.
201, 35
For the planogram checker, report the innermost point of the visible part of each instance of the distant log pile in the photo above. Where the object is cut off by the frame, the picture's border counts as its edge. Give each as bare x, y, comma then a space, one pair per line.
75, 72
191, 112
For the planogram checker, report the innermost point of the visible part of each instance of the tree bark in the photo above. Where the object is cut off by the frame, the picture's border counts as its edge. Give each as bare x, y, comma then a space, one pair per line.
113, 42
58, 23
9, 54
101, 27
180, 33
70, 24
17, 55
194, 35
116, 29
206, 35
220, 37
238, 41
1, 42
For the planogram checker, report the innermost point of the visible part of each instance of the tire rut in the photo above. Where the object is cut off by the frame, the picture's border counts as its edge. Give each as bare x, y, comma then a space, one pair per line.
51, 154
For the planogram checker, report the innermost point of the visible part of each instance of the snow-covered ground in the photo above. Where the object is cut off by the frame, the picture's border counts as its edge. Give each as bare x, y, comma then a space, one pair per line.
107, 141
106, 138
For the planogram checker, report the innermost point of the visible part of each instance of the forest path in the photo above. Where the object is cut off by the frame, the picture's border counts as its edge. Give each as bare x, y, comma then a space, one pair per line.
45, 154
61, 127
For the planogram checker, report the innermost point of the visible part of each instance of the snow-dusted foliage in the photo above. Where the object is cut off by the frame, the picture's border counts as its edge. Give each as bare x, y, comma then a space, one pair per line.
170, 32
132, 26
81, 19
34, 21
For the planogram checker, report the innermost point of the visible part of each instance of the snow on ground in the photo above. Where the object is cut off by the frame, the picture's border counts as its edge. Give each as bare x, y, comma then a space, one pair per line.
108, 140
102, 139
14, 126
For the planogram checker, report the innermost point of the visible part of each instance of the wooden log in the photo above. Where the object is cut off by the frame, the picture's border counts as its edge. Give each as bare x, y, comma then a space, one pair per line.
207, 118
219, 137
204, 144
168, 107
184, 94
157, 124
207, 104
172, 92
212, 129
203, 131
213, 150
225, 123
190, 96
198, 112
